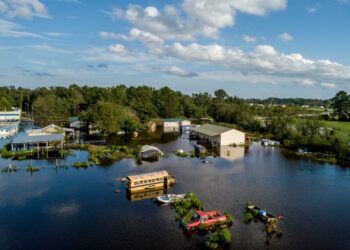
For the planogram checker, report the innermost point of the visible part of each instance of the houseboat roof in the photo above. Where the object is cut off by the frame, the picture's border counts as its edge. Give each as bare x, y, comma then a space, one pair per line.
45, 130
146, 148
24, 138
147, 176
210, 129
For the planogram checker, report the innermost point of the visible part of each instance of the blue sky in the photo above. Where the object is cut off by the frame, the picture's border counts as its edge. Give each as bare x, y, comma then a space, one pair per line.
250, 48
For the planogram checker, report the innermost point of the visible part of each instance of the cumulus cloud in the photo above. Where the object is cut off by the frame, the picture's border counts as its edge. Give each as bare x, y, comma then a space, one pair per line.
264, 59
328, 85
249, 39
14, 30
285, 37
306, 82
177, 71
195, 18
118, 49
26, 9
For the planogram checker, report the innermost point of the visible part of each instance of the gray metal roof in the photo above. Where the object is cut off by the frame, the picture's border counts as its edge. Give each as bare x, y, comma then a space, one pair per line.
24, 138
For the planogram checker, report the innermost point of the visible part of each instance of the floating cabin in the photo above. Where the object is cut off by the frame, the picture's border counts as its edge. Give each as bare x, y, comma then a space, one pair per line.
176, 125
218, 135
152, 181
49, 138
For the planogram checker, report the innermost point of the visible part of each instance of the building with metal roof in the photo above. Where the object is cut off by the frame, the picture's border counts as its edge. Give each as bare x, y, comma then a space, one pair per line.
176, 125
218, 135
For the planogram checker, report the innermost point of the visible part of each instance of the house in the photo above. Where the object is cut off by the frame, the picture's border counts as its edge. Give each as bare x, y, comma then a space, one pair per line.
8, 130
75, 123
231, 153
176, 125
7, 116
51, 129
218, 135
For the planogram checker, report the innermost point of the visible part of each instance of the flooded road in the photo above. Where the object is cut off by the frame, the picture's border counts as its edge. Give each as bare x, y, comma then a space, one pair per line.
78, 209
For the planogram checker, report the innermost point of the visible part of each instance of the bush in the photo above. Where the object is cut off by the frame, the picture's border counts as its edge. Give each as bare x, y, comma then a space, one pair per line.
81, 164
220, 238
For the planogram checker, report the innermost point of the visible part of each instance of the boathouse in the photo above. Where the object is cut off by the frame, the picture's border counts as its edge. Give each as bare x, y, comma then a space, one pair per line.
218, 135
176, 125
49, 138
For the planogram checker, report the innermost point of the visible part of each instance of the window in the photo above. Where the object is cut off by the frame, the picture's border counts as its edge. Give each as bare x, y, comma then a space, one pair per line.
153, 180
157, 179
141, 182
136, 183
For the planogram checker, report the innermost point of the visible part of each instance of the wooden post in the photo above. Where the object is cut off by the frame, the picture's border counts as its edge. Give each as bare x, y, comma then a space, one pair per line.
47, 149
37, 149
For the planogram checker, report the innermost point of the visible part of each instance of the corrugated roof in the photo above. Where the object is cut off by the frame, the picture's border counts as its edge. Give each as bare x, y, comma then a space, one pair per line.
146, 148
173, 120
23, 138
210, 129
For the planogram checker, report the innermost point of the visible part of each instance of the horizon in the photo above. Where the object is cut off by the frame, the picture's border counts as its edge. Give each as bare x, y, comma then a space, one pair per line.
251, 49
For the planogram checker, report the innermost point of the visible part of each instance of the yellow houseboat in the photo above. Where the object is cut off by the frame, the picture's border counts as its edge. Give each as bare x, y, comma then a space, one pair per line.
150, 181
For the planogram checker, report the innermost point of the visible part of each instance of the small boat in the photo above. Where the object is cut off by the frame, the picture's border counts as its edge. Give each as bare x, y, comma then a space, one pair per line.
262, 214
205, 218
169, 198
206, 162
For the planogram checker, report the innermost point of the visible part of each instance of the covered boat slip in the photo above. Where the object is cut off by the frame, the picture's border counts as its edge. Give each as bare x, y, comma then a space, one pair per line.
40, 142
150, 181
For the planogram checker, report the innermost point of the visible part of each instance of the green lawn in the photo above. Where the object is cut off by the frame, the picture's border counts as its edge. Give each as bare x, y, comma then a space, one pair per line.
342, 127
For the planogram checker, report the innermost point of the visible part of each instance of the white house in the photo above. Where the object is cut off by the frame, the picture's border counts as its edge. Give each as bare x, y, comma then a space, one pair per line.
6, 116
218, 135
175, 124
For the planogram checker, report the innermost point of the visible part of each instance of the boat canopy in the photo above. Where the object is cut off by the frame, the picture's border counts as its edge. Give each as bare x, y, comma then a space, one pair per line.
141, 177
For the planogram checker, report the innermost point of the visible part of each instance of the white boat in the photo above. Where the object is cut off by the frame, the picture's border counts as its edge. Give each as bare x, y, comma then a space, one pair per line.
169, 198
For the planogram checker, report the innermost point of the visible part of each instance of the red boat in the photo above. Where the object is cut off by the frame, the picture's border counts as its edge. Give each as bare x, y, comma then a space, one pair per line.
205, 218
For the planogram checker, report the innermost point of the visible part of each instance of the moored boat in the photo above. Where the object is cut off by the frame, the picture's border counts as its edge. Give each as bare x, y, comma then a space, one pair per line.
262, 214
170, 198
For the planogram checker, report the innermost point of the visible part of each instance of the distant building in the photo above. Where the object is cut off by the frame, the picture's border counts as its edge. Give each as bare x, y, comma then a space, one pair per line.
10, 116
75, 123
176, 125
8, 130
218, 135
51, 129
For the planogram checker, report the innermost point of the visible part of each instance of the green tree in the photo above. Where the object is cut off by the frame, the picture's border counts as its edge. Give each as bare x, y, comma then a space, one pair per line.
341, 105
5, 104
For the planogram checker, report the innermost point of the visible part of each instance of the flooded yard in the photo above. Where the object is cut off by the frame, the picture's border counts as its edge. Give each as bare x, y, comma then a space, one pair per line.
78, 208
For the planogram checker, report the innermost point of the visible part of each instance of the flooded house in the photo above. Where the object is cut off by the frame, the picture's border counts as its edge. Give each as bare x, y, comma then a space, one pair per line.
176, 125
150, 152
10, 116
218, 135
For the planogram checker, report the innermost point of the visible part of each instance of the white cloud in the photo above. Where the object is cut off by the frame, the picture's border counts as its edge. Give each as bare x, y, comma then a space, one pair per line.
306, 82
11, 29
195, 18
264, 59
249, 39
177, 71
285, 37
328, 85
134, 34
49, 48
118, 49
311, 9
26, 9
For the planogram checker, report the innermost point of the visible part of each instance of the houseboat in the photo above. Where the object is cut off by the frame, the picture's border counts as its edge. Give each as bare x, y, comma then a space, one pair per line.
150, 181
262, 214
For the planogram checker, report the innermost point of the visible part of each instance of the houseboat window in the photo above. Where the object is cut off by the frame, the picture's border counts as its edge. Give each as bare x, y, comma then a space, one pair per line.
136, 183
141, 182
161, 179
157, 179
153, 180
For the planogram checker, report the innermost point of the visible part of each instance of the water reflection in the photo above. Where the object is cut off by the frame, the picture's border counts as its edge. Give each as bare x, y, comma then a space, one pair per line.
144, 195
231, 153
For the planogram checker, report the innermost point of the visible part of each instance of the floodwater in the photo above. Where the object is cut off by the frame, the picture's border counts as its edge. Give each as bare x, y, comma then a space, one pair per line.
78, 209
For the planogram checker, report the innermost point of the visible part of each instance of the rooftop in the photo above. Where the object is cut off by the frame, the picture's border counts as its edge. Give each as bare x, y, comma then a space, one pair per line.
148, 175
24, 138
210, 129
173, 119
